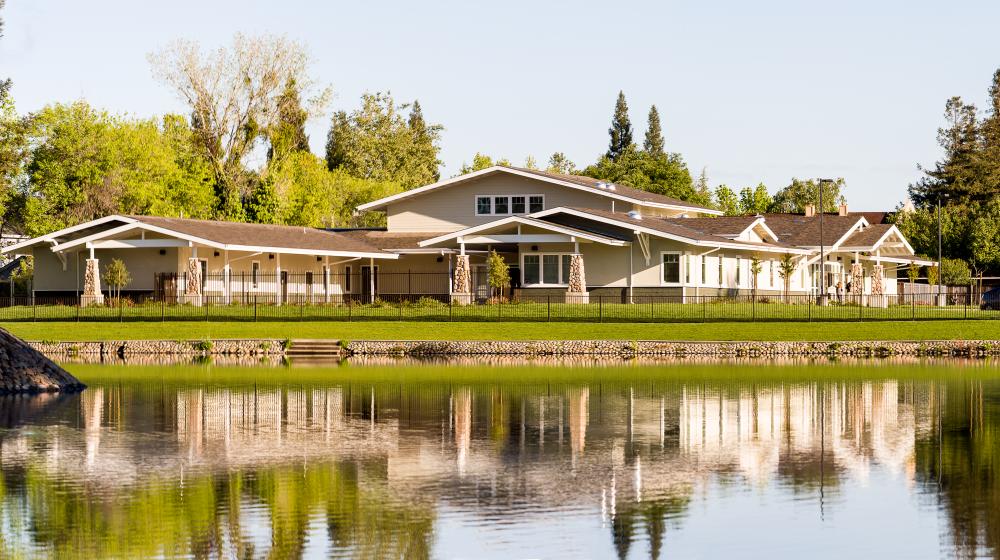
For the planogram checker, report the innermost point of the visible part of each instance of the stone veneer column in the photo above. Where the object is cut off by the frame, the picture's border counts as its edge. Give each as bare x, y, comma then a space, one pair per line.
857, 283
878, 298
577, 290
460, 289
192, 287
92, 284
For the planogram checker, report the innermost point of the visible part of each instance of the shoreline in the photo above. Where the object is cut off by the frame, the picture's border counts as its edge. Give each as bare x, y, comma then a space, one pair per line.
275, 348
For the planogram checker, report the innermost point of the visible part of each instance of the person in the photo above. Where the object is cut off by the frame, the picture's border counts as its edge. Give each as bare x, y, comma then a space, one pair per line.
840, 291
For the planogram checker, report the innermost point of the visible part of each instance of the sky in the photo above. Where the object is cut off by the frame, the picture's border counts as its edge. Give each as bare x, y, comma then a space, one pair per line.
749, 91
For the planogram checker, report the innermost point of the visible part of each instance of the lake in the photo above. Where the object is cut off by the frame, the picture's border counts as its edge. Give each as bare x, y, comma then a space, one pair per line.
496, 459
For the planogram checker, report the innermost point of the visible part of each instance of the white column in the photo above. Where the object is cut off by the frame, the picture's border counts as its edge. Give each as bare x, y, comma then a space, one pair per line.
277, 279
371, 280
326, 279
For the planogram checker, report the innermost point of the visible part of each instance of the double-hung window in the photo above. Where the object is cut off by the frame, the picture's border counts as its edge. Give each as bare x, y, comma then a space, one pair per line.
671, 268
739, 270
501, 205
546, 269
505, 205
484, 205
536, 203
517, 204
721, 277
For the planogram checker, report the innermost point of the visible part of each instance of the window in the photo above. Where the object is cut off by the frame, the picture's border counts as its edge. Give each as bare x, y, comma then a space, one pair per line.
704, 272
255, 273
687, 270
504, 205
671, 268
739, 270
347, 279
771, 267
721, 261
483, 206
531, 275
546, 269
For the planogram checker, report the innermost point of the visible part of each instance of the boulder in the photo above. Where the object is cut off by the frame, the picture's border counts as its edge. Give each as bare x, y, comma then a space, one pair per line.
26, 370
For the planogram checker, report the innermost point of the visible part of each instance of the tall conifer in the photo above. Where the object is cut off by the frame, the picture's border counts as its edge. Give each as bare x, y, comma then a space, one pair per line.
654, 134
621, 130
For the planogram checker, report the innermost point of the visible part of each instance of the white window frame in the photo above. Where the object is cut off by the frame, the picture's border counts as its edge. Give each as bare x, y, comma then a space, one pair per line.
721, 270
254, 281
703, 281
541, 267
680, 268
510, 204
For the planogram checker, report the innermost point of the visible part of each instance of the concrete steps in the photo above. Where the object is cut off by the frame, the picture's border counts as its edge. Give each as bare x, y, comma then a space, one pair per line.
307, 347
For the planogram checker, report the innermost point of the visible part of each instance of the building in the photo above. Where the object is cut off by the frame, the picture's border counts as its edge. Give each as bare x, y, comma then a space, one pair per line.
563, 236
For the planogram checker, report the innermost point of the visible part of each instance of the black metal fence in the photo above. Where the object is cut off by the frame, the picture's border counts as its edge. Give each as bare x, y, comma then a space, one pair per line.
592, 308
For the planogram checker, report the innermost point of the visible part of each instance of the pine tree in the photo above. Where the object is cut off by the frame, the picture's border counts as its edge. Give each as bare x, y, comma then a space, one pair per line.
620, 131
654, 134
957, 173
989, 157
424, 139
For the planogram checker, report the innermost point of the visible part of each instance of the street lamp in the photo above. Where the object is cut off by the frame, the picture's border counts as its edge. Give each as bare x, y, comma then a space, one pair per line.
940, 269
823, 299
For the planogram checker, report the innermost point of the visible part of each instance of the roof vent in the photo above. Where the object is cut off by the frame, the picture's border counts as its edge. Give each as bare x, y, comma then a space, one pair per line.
602, 185
635, 214
611, 186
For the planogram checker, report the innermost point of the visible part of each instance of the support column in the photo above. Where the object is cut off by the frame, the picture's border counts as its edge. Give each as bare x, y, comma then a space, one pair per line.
278, 285
460, 292
878, 298
192, 288
92, 283
577, 290
371, 280
326, 279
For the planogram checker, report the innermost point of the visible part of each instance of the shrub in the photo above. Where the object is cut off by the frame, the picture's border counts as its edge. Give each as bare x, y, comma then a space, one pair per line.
429, 302
204, 345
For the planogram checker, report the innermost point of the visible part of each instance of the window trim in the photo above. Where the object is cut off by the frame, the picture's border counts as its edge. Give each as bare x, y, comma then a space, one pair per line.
510, 204
680, 268
541, 273
254, 278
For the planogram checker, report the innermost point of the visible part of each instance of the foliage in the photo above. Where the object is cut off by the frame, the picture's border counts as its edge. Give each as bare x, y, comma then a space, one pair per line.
795, 197
116, 276
955, 272
22, 276
559, 163
666, 175
725, 200
479, 162
235, 95
498, 273
653, 143
913, 272
932, 275
620, 131
970, 231
786, 267
376, 143
13, 152
755, 200
755, 269
288, 133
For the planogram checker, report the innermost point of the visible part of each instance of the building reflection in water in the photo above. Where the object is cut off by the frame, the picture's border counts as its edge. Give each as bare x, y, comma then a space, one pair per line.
369, 469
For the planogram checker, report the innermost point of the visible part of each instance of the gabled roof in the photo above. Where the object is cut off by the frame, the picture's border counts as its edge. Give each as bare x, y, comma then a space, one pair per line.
871, 237
670, 228
529, 221
220, 235
803, 231
588, 184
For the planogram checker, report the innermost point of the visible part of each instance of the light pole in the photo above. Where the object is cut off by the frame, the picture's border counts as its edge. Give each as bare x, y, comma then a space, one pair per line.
940, 269
823, 299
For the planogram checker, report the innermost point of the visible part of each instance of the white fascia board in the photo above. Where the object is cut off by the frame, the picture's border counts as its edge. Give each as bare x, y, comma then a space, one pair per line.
568, 184
880, 241
51, 237
526, 220
311, 252
762, 223
664, 235
89, 238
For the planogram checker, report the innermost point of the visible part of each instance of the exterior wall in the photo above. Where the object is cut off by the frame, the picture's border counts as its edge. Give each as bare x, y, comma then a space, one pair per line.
454, 208
142, 264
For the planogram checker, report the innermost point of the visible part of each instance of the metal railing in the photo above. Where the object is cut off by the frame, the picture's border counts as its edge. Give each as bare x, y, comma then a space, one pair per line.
592, 308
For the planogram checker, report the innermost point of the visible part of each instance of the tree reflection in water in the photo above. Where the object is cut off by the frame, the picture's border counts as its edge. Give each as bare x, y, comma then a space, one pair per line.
257, 467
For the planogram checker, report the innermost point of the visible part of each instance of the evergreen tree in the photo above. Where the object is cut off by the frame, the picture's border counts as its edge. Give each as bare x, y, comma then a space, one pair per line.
701, 187
755, 200
957, 174
654, 134
425, 139
726, 200
620, 131
989, 158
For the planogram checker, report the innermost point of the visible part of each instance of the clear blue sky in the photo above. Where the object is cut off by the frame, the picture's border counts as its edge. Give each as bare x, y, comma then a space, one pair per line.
753, 91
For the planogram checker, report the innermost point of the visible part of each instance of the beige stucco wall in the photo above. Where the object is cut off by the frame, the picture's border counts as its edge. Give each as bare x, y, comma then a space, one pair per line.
142, 265
454, 208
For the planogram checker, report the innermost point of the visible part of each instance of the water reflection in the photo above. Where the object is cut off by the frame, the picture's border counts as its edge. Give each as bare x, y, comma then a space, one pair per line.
622, 466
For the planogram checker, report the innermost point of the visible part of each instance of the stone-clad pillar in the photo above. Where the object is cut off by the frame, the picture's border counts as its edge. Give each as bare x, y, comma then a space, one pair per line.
192, 287
878, 298
461, 292
577, 290
92, 284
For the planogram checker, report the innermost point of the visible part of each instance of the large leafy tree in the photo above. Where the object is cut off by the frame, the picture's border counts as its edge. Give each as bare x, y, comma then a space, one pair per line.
620, 131
795, 197
235, 95
559, 163
727, 201
377, 143
288, 132
665, 174
755, 200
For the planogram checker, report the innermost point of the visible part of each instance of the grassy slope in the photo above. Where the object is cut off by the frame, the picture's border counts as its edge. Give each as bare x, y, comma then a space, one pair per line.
890, 330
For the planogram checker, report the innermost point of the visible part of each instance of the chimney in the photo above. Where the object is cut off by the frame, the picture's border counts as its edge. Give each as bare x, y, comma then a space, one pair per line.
843, 209
810, 210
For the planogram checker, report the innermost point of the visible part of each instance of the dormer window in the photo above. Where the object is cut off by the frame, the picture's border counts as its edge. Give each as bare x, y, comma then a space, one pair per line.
507, 205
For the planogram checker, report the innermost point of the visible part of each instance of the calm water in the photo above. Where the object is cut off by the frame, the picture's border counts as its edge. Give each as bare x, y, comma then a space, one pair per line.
598, 461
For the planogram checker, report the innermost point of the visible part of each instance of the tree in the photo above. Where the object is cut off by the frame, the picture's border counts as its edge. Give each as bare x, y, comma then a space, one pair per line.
701, 188
499, 274
13, 155
725, 200
530, 163
559, 163
376, 143
235, 94
913, 272
116, 276
786, 267
479, 162
956, 174
653, 144
932, 275
620, 131
755, 268
21, 278
955, 272
288, 133
795, 197
755, 200
666, 175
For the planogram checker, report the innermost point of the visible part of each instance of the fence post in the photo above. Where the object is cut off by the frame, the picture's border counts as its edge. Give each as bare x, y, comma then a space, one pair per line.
301, 310
913, 307
120, 309
548, 308
861, 308
78, 308
450, 305
34, 309
255, 308
350, 309
600, 309
163, 305
704, 309
809, 305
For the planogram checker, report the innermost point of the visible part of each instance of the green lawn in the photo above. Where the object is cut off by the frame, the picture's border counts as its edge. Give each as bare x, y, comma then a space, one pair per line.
419, 330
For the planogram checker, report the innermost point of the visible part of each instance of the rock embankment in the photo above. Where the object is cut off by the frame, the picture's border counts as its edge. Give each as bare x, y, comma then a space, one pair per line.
125, 348
26, 370
628, 348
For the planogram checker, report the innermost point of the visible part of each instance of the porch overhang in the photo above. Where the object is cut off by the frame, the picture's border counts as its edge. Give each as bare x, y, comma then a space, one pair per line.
558, 234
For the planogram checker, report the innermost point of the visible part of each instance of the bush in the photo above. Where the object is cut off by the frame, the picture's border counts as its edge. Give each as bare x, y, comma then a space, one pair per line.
428, 302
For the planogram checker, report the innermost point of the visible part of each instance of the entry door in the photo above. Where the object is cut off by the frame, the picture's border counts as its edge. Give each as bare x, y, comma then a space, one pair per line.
480, 280
367, 281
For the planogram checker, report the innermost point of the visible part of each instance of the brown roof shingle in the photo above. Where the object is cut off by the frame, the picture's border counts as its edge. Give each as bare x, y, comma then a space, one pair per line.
386, 240
802, 231
261, 235
868, 236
